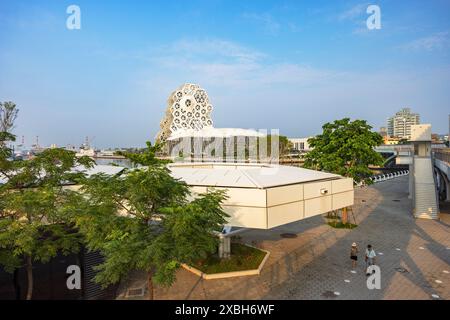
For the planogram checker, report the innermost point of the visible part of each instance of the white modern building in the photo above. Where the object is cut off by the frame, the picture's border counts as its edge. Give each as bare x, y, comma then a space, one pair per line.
188, 132
300, 144
264, 196
260, 196
188, 114
188, 108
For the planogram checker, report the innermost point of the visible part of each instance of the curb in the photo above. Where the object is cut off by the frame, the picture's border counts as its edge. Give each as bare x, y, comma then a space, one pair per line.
231, 274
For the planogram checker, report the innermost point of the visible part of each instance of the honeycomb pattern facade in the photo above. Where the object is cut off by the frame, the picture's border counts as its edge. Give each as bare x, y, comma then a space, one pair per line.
188, 108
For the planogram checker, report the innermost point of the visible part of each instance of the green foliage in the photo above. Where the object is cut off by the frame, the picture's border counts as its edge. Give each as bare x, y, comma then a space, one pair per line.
188, 229
142, 220
340, 225
8, 115
345, 147
284, 145
34, 207
147, 156
242, 258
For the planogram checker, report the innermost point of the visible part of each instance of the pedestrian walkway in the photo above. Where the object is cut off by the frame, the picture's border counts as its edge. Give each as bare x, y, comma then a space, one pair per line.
414, 257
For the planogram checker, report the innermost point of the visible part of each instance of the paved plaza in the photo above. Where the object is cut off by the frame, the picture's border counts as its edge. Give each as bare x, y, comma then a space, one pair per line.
414, 257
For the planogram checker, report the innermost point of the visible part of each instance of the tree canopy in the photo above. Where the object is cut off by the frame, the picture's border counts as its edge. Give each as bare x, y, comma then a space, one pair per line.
146, 156
144, 219
140, 219
8, 115
34, 207
345, 147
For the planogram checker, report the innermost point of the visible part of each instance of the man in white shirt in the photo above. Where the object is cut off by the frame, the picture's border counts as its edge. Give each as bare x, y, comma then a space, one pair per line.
370, 257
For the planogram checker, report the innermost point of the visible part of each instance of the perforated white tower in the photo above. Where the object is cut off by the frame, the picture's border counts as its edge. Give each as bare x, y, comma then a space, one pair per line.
188, 108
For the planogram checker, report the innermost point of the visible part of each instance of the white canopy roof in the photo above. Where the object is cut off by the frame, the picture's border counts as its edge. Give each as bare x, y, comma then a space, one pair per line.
100, 168
236, 175
215, 132
106, 169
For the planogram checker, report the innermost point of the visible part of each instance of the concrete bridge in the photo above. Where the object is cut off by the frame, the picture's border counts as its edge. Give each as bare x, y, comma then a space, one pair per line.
429, 171
441, 159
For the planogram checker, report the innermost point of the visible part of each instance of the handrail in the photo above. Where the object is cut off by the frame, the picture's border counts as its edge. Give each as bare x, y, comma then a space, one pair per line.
442, 154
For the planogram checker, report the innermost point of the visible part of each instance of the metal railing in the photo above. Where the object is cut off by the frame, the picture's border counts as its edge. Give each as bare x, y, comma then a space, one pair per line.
442, 154
389, 176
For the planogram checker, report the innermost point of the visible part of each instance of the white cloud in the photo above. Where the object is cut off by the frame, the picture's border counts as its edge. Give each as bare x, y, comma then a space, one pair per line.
353, 12
294, 97
225, 63
215, 48
435, 41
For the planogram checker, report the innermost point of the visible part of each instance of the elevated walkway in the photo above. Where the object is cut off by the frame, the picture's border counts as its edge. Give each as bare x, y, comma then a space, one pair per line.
424, 189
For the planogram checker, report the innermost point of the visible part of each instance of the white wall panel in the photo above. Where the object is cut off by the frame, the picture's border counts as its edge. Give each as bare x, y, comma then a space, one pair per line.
247, 217
341, 185
286, 213
286, 194
341, 200
245, 197
317, 206
312, 190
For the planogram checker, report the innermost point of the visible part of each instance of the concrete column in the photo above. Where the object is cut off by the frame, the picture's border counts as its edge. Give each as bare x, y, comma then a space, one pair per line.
411, 181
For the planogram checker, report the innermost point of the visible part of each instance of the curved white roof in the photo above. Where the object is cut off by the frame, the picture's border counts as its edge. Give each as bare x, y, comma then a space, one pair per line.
237, 175
215, 132
100, 168
106, 169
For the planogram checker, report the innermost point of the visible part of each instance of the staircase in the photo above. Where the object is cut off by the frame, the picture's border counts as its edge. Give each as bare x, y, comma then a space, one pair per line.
425, 195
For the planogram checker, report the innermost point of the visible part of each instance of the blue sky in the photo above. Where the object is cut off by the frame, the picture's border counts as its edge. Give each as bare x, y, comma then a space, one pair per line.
292, 65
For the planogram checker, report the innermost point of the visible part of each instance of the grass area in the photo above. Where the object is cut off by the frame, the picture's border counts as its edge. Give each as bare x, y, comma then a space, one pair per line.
242, 258
340, 225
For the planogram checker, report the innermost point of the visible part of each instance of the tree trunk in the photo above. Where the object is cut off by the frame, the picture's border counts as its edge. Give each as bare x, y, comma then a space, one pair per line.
344, 215
150, 285
30, 278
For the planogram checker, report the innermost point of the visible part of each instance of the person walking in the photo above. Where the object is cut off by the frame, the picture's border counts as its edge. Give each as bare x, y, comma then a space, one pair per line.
354, 254
370, 258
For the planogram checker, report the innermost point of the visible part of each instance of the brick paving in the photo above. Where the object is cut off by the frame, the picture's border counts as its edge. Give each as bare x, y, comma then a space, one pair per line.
316, 263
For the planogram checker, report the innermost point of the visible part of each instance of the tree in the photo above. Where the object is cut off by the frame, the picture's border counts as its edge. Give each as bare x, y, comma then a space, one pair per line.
345, 147
142, 220
284, 145
33, 210
146, 156
8, 115
34, 204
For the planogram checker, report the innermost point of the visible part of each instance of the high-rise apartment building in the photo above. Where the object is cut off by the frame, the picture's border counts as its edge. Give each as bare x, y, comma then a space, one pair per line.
400, 124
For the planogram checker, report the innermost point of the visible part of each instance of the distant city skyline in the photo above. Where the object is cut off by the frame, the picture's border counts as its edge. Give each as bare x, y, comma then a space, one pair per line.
278, 64
399, 125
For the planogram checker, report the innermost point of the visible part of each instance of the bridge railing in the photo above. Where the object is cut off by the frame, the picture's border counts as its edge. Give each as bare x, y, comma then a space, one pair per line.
442, 154
389, 176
